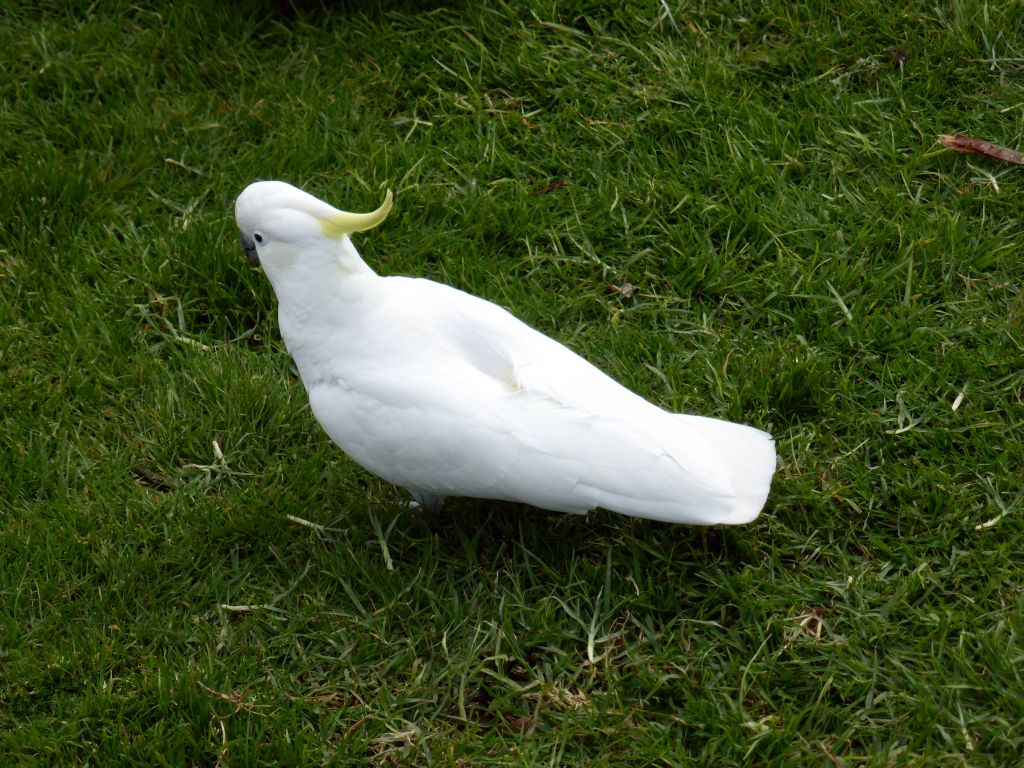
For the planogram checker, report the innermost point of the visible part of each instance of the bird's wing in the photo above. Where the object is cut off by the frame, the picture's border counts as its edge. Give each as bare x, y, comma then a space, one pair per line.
461, 398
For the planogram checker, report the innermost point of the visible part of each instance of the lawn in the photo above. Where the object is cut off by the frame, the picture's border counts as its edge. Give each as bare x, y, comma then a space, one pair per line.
736, 209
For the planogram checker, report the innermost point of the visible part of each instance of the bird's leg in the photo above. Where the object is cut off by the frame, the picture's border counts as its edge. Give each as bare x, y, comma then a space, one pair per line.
426, 502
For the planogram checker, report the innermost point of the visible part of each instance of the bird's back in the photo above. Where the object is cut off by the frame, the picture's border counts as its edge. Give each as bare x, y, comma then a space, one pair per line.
450, 395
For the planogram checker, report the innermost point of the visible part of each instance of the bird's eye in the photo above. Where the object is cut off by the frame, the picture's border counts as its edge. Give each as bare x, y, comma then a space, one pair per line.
257, 237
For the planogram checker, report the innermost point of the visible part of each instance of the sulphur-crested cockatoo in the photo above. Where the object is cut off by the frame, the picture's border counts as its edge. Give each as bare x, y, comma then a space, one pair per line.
446, 394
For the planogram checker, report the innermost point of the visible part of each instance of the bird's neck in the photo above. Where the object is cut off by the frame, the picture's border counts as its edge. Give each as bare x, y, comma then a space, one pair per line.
321, 297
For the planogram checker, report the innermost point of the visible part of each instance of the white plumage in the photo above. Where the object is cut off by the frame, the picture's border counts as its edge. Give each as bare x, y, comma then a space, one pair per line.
446, 394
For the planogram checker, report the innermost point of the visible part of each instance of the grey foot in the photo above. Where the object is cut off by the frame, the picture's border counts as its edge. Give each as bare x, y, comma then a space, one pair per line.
425, 502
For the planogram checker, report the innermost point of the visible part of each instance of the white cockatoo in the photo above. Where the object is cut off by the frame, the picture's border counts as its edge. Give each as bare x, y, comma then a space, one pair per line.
446, 394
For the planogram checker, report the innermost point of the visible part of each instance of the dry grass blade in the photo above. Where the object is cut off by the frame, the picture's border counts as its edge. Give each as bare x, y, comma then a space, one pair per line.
973, 146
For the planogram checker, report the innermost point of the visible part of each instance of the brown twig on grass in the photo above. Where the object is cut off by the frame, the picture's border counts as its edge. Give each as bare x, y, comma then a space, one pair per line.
972, 146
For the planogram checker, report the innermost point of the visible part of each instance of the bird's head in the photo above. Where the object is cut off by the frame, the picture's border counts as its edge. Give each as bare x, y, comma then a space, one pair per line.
281, 226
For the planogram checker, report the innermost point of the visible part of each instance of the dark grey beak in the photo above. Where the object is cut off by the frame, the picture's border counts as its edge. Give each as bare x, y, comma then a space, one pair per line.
249, 247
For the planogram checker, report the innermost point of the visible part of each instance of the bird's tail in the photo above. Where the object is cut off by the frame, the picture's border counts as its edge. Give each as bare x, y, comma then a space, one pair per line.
750, 454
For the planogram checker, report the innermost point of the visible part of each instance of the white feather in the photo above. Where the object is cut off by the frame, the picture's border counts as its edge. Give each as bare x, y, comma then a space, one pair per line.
447, 394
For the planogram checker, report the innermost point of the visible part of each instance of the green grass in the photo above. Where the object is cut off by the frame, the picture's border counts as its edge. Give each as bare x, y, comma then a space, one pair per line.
805, 258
